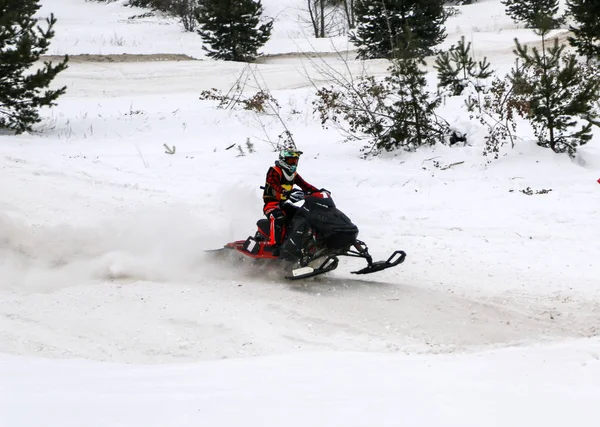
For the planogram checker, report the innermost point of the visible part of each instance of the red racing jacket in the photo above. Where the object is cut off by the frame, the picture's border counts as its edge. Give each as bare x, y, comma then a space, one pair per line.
277, 183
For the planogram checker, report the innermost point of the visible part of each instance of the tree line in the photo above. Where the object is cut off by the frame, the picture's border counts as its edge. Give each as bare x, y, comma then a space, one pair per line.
556, 91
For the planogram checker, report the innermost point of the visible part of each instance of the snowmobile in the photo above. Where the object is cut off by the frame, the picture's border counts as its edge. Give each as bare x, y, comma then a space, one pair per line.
317, 233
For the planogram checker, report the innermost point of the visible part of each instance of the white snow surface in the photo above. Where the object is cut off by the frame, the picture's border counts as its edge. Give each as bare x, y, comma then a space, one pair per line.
553, 386
113, 314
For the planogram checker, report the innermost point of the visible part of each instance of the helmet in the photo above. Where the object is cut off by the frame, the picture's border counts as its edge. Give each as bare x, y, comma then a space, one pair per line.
288, 160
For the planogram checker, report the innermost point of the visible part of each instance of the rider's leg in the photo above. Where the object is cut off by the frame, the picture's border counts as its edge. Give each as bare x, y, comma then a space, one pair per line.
292, 249
277, 224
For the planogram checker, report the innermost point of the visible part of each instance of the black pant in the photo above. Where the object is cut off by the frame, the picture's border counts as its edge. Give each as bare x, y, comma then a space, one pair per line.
292, 248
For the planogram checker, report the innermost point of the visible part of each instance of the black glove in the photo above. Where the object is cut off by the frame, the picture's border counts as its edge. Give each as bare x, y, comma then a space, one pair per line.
325, 190
286, 194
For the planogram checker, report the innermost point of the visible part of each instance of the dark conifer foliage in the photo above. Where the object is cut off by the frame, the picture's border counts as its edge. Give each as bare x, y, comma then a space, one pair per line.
398, 28
559, 93
456, 68
586, 31
232, 29
23, 84
533, 12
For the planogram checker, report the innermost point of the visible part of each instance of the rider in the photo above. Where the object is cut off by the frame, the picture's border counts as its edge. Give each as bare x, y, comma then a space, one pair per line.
280, 181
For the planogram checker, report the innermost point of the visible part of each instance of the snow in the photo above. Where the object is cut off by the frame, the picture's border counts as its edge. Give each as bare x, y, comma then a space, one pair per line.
111, 313
96, 28
538, 386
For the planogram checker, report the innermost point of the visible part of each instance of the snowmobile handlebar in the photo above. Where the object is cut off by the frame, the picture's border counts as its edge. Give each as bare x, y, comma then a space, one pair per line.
304, 194
296, 196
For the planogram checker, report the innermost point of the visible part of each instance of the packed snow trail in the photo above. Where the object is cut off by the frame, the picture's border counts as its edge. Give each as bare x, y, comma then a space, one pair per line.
98, 303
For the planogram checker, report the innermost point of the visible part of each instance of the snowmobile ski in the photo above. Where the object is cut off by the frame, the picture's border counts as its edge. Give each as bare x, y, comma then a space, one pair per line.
330, 263
374, 267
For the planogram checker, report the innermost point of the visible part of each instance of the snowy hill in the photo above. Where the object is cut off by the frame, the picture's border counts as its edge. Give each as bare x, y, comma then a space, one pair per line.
112, 314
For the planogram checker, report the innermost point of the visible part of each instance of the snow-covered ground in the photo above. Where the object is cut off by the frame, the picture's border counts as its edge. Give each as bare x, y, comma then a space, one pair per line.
111, 313
552, 386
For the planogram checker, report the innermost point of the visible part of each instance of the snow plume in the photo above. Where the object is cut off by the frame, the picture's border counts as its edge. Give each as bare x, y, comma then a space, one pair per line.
148, 245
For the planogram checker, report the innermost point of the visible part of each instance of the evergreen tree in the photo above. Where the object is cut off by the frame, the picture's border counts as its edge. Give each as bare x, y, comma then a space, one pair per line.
140, 3
456, 68
232, 28
586, 32
413, 111
397, 112
532, 12
22, 42
558, 91
398, 28
162, 5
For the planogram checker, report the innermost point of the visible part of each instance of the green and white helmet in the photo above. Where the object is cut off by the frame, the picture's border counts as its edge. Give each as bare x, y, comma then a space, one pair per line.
288, 160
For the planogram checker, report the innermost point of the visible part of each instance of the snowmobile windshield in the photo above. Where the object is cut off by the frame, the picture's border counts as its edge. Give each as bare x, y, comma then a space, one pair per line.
320, 202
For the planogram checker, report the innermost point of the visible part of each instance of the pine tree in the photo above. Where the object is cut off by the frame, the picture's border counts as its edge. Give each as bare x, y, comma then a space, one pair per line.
22, 42
413, 110
456, 68
397, 112
398, 28
532, 12
162, 5
558, 92
586, 32
232, 28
